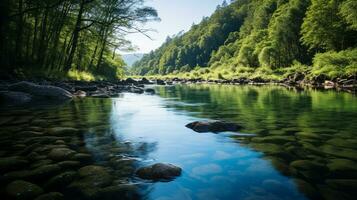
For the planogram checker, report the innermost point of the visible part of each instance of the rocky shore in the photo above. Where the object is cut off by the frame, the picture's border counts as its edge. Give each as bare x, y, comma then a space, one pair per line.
296, 81
21, 92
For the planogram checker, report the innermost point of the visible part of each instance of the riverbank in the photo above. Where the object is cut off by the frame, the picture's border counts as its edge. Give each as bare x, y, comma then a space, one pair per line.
21, 92
297, 81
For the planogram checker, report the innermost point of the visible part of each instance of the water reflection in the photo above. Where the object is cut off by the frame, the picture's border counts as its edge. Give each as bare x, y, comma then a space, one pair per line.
307, 135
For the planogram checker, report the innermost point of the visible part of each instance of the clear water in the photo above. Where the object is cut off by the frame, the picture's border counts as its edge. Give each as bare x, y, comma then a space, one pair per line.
294, 145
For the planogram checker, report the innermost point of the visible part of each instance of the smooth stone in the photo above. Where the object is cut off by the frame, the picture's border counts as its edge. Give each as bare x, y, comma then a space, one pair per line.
307, 165
45, 171
51, 196
23, 190
124, 191
44, 91
83, 157
95, 175
91, 179
159, 171
41, 163
12, 163
69, 164
213, 126
60, 154
61, 180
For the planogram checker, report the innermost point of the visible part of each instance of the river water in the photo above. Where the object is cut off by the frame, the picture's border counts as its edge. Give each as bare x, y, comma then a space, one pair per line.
294, 145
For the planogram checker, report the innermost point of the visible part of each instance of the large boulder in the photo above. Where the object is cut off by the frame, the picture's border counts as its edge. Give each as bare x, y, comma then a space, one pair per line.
17, 98
159, 171
41, 91
213, 126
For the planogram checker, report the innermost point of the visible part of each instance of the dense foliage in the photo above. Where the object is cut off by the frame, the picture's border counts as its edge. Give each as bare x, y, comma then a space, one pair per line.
67, 37
263, 37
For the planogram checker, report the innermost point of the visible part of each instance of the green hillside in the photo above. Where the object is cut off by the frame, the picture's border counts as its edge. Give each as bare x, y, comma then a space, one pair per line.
269, 39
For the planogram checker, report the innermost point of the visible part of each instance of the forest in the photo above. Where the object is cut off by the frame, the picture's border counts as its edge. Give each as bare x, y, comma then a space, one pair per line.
59, 39
267, 39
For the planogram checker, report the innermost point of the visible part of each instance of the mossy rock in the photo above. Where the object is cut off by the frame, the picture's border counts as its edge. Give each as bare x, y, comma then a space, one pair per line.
51, 196
309, 135
267, 148
91, 179
59, 154
339, 152
61, 131
273, 139
343, 143
61, 180
23, 190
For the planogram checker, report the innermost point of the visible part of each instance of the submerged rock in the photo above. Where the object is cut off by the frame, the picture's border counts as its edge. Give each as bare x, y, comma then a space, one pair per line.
60, 154
213, 126
150, 91
45, 91
61, 131
12, 163
159, 171
61, 180
23, 190
91, 179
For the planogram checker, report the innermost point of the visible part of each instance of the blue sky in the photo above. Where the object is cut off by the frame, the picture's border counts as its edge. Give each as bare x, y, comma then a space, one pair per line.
176, 15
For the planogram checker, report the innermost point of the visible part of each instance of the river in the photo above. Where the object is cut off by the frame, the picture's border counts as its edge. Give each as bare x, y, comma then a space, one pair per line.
294, 144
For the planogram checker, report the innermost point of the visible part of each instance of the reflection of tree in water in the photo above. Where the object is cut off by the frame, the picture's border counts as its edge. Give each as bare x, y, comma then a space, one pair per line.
88, 162
306, 135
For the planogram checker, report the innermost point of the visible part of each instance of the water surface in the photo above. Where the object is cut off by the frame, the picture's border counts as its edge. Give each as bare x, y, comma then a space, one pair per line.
294, 145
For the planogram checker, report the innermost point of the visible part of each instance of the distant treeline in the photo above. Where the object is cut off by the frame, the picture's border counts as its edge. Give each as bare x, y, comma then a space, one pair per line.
60, 37
263, 36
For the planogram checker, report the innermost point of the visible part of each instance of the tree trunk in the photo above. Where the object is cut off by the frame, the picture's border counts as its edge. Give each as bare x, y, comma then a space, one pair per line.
19, 29
75, 36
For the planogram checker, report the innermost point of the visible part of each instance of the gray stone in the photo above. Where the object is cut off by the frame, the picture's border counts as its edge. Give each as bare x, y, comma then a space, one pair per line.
44, 91
159, 171
213, 126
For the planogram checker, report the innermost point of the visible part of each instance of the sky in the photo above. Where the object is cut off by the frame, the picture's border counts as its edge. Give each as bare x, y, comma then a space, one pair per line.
176, 15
